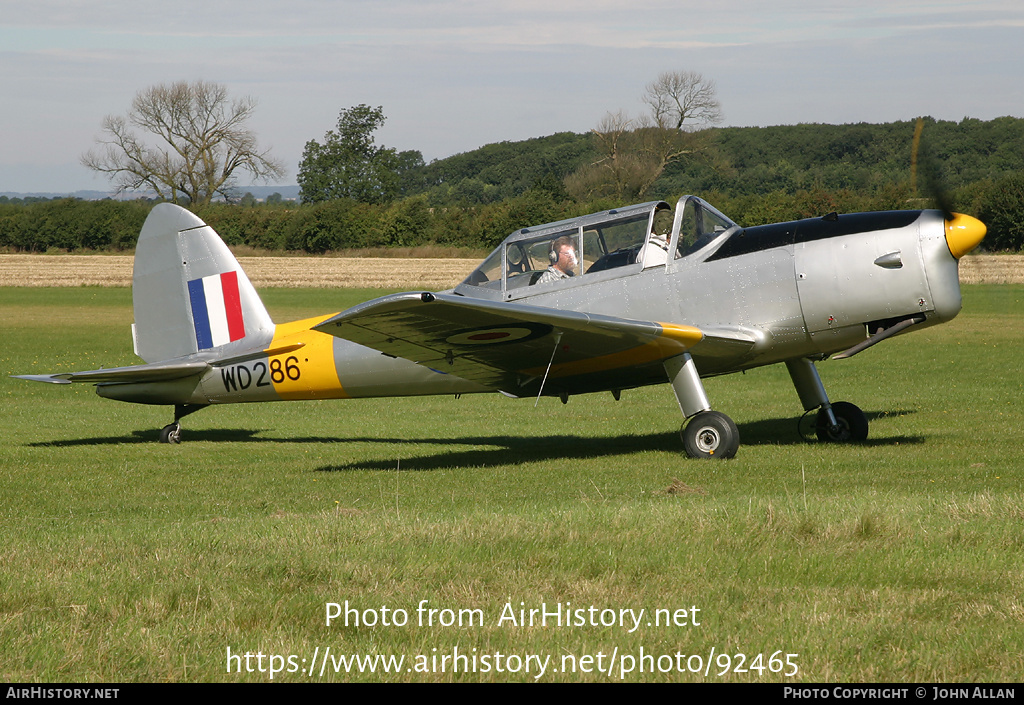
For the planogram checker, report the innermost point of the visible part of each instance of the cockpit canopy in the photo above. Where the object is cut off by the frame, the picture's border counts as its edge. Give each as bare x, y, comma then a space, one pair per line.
606, 245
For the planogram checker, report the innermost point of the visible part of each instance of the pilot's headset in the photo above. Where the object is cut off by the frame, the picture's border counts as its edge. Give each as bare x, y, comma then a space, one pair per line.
553, 253
556, 245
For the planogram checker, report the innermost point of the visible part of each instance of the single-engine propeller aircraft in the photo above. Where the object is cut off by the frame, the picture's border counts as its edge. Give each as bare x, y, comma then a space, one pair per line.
635, 296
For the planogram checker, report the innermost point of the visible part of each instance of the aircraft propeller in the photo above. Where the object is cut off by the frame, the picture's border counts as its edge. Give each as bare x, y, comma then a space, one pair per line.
924, 165
963, 233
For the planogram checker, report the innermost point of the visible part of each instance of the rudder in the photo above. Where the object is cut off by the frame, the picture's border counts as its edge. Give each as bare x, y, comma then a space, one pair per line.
189, 292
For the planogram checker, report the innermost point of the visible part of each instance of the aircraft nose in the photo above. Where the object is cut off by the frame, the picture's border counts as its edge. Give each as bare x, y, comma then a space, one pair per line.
963, 233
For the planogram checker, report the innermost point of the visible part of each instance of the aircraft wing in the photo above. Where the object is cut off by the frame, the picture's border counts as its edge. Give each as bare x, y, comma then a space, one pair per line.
511, 347
156, 372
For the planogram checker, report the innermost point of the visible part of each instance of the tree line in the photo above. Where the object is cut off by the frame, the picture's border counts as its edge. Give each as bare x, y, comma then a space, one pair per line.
72, 225
357, 194
340, 224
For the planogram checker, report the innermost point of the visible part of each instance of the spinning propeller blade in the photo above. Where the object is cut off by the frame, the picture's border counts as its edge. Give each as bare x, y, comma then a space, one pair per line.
924, 168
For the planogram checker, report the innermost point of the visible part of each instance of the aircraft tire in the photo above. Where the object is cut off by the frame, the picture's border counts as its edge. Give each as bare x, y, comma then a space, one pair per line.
853, 424
710, 434
171, 433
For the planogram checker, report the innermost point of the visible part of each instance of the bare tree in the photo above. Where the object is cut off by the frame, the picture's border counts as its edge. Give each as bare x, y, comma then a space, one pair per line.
619, 171
201, 142
683, 100
635, 152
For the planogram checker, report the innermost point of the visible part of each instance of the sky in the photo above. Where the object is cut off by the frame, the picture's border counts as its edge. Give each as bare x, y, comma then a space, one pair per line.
454, 75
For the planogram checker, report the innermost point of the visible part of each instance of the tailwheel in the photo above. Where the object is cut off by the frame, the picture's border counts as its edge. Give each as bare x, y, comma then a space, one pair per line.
851, 424
171, 433
710, 434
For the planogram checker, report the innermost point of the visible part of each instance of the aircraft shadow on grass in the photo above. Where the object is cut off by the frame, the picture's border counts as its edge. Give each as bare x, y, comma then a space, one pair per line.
529, 449
499, 450
210, 435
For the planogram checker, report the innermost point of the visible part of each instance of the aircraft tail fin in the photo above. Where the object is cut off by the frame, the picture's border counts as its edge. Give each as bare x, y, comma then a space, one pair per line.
189, 292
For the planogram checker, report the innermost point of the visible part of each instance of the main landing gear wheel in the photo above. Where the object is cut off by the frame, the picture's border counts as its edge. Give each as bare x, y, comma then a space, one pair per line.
852, 424
171, 433
710, 434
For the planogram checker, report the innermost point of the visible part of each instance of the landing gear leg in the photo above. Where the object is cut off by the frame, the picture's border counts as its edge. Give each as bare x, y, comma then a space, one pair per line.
837, 422
709, 434
171, 433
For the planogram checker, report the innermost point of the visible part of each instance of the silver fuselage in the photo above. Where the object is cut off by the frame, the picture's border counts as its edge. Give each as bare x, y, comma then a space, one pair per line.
804, 289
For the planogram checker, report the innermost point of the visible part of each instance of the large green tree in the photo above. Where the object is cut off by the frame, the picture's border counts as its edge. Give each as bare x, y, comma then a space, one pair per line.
1002, 210
349, 164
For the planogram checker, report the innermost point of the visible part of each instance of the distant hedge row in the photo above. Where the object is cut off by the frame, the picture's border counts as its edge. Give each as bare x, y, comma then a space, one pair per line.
69, 224
344, 224
73, 225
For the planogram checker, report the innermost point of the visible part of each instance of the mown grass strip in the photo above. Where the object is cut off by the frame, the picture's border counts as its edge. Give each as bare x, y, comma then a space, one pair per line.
899, 559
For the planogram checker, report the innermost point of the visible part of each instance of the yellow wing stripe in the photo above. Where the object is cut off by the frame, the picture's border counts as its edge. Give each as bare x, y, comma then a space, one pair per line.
673, 340
688, 336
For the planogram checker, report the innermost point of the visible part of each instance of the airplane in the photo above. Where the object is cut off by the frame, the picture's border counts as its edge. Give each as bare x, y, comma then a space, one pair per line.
634, 296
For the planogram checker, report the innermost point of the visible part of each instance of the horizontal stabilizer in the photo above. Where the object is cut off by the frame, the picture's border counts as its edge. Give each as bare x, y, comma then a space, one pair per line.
256, 354
156, 372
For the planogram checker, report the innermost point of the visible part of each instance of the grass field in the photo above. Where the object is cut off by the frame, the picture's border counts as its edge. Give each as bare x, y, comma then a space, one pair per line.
899, 559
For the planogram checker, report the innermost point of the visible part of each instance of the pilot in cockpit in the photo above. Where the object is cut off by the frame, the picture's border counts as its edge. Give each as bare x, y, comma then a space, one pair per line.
655, 251
562, 257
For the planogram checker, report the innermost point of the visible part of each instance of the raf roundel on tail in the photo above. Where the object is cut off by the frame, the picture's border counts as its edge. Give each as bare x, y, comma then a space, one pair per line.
629, 306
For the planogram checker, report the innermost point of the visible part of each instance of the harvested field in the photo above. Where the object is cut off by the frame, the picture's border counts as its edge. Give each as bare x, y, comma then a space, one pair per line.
354, 272
293, 272
992, 269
